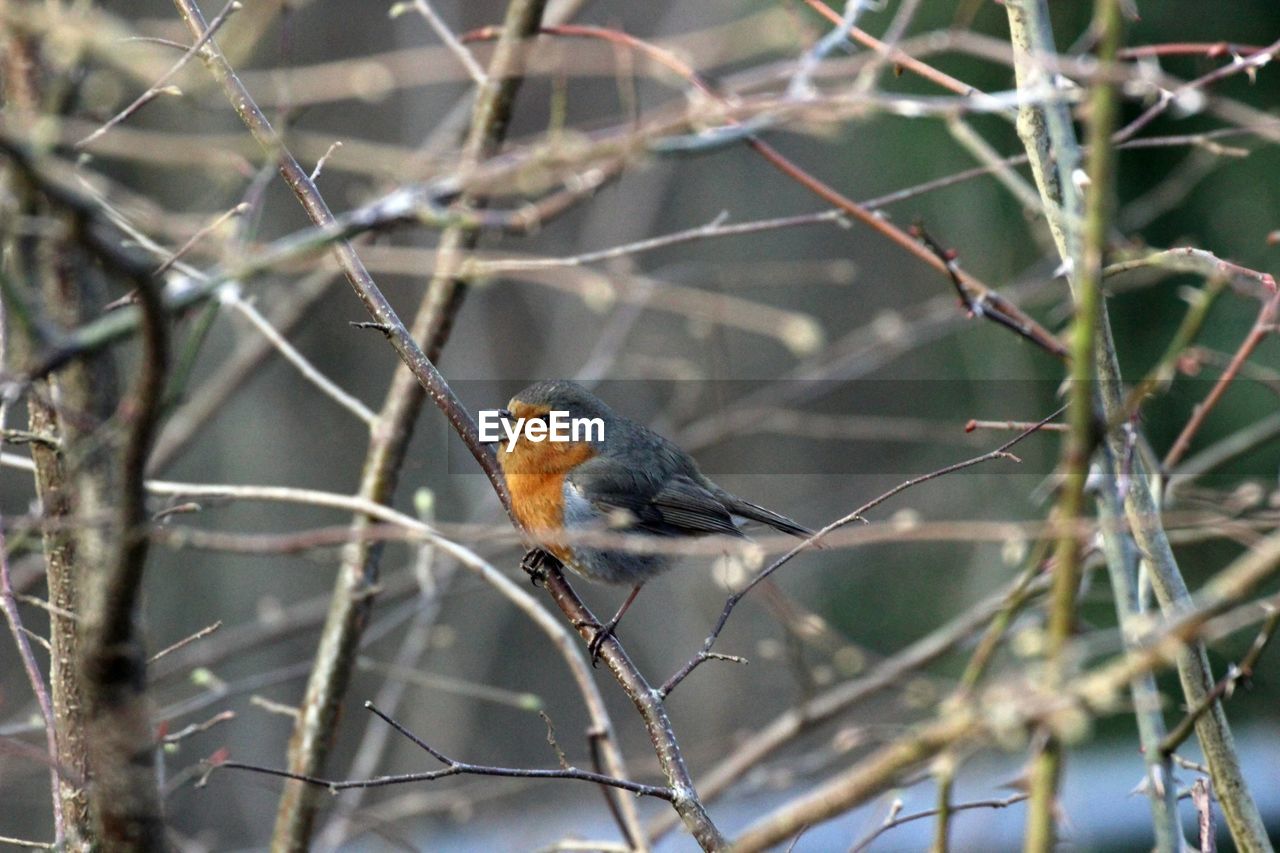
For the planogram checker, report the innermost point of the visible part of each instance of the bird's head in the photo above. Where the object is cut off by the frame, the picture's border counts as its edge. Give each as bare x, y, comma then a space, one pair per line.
556, 424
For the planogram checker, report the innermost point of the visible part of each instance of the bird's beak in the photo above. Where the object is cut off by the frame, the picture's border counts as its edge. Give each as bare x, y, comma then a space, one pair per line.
506, 415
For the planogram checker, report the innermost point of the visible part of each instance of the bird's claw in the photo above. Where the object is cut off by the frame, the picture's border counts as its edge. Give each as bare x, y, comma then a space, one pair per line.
597, 641
534, 564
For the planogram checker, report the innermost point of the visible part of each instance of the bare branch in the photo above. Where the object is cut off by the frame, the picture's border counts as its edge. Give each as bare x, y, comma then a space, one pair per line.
452, 768
185, 641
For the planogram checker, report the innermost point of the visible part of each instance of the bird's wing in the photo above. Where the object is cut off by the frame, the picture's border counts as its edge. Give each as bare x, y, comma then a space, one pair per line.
692, 508
674, 506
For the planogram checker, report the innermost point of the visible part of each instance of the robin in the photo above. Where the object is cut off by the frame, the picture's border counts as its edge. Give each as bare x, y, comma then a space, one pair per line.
619, 477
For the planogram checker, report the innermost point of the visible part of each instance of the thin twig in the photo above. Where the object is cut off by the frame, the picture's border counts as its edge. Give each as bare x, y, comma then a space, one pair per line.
990, 304
199, 728
185, 641
1200, 262
324, 158
1001, 452
1263, 326
238, 210
34, 677
309, 371
34, 845
974, 424
718, 227
452, 768
457, 48
865, 842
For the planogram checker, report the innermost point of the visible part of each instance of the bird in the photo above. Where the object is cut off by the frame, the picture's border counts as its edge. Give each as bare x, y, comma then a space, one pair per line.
622, 478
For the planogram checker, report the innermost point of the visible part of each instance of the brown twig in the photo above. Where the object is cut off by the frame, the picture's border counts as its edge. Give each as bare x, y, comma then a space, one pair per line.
185, 641
1209, 50
990, 304
893, 54
1263, 326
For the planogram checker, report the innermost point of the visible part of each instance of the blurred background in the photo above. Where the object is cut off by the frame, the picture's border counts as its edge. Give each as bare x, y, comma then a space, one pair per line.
808, 368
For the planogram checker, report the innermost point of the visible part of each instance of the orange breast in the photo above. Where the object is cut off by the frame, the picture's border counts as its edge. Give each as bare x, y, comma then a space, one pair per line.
535, 479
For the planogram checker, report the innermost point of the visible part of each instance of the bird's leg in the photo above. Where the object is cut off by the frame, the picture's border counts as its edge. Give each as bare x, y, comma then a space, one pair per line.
605, 631
535, 562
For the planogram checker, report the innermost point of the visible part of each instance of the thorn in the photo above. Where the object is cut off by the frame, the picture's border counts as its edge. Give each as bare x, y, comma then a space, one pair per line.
365, 324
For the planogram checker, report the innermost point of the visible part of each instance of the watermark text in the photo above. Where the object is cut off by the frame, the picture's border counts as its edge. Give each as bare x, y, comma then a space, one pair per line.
553, 426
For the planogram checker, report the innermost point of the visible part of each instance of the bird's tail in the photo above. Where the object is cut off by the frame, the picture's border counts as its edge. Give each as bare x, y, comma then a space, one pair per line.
746, 509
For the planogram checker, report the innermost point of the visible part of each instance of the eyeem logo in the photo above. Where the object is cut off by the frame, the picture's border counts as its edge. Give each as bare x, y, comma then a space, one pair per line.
553, 426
